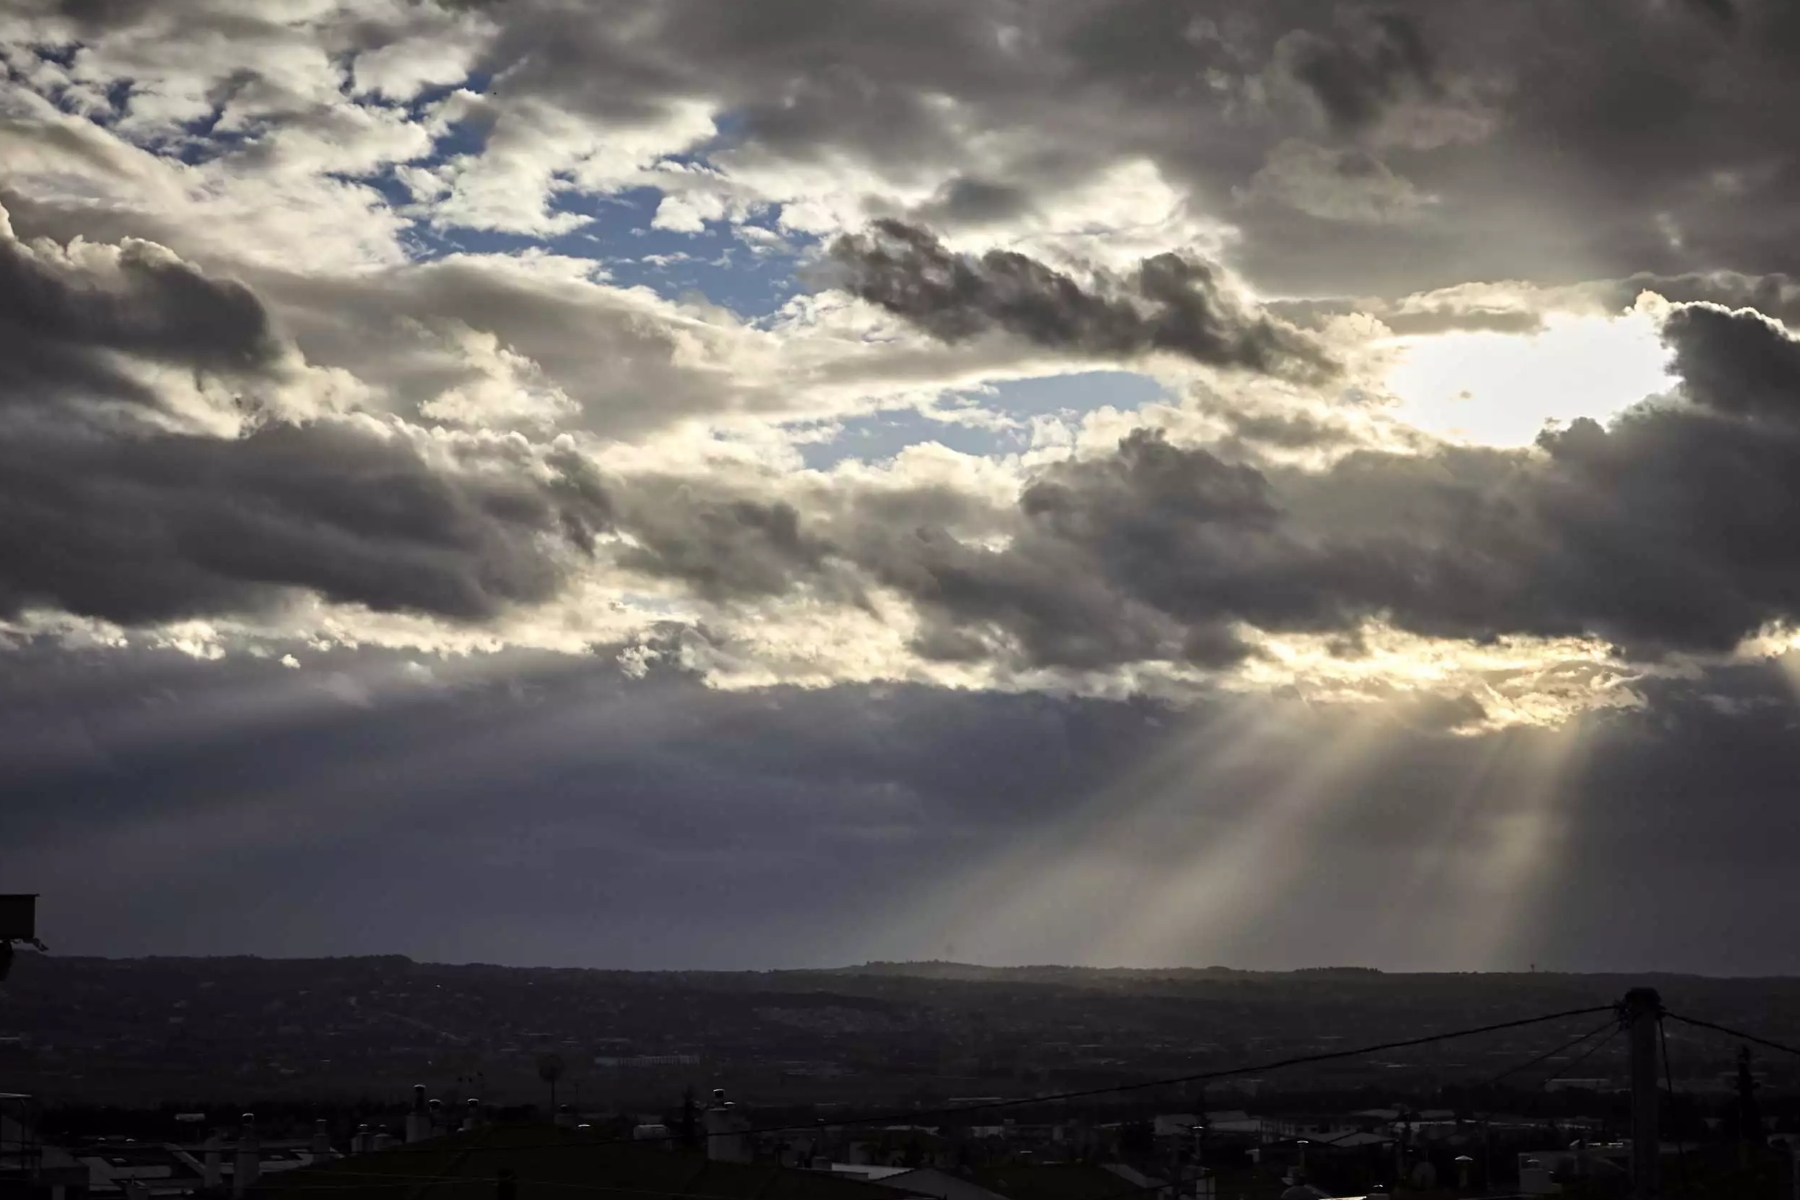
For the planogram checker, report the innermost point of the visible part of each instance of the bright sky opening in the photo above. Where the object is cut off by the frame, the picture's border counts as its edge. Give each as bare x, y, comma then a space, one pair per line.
1500, 389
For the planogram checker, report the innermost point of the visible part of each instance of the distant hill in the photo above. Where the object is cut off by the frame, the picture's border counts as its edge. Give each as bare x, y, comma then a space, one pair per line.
243, 1027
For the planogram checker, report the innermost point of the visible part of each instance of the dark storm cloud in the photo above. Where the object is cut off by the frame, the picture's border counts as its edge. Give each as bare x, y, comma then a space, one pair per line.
1357, 74
736, 812
1736, 362
63, 311
1558, 143
1170, 547
801, 75
1671, 529
966, 201
1169, 303
1722, 11
555, 813
113, 516
722, 546
1774, 295
141, 299
138, 526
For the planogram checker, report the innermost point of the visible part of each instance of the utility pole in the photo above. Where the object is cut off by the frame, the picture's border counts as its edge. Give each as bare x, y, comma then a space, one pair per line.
1642, 1014
1749, 1118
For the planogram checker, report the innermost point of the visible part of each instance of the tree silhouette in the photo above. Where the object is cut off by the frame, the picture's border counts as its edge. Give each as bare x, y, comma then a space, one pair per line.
690, 1131
550, 1069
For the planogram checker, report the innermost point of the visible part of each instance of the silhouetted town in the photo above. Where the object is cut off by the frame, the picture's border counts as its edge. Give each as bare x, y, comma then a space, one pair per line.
164, 1077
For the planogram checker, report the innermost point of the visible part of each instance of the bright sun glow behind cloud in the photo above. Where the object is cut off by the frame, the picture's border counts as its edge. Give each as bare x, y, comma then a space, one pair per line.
1499, 389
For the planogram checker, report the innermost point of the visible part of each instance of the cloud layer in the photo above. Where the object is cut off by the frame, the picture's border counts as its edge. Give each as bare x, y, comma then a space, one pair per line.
350, 346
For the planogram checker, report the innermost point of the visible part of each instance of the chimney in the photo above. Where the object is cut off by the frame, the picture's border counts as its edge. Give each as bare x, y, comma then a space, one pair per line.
249, 1158
434, 1112
321, 1140
472, 1121
362, 1142
726, 1140
215, 1175
418, 1120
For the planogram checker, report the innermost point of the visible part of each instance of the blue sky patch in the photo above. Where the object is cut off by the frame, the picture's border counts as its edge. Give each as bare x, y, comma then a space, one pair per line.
881, 435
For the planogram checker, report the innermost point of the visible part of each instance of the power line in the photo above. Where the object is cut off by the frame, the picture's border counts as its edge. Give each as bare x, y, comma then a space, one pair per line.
1205, 1076
397, 1178
1611, 1027
1197, 1077
1610, 1024
1730, 1032
1598, 1046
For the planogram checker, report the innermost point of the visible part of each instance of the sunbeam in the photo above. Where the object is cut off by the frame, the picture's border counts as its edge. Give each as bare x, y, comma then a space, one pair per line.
1210, 903
1515, 840
1061, 885
1408, 930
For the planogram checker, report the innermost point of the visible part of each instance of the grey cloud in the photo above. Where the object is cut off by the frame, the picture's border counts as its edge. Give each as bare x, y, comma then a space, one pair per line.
1173, 546
1774, 295
1409, 317
113, 516
63, 310
1611, 148
1290, 431
721, 545
820, 784
1739, 362
395, 328
140, 526
1356, 74
142, 300
1723, 11
1669, 530
796, 827
1171, 304
619, 362
965, 201
1333, 183
1445, 319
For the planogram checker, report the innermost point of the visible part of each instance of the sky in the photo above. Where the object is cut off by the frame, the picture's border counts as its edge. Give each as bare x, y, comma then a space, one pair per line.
690, 483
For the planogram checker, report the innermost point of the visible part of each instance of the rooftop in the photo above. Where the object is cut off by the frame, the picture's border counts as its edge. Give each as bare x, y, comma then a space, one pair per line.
549, 1163
1052, 1181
